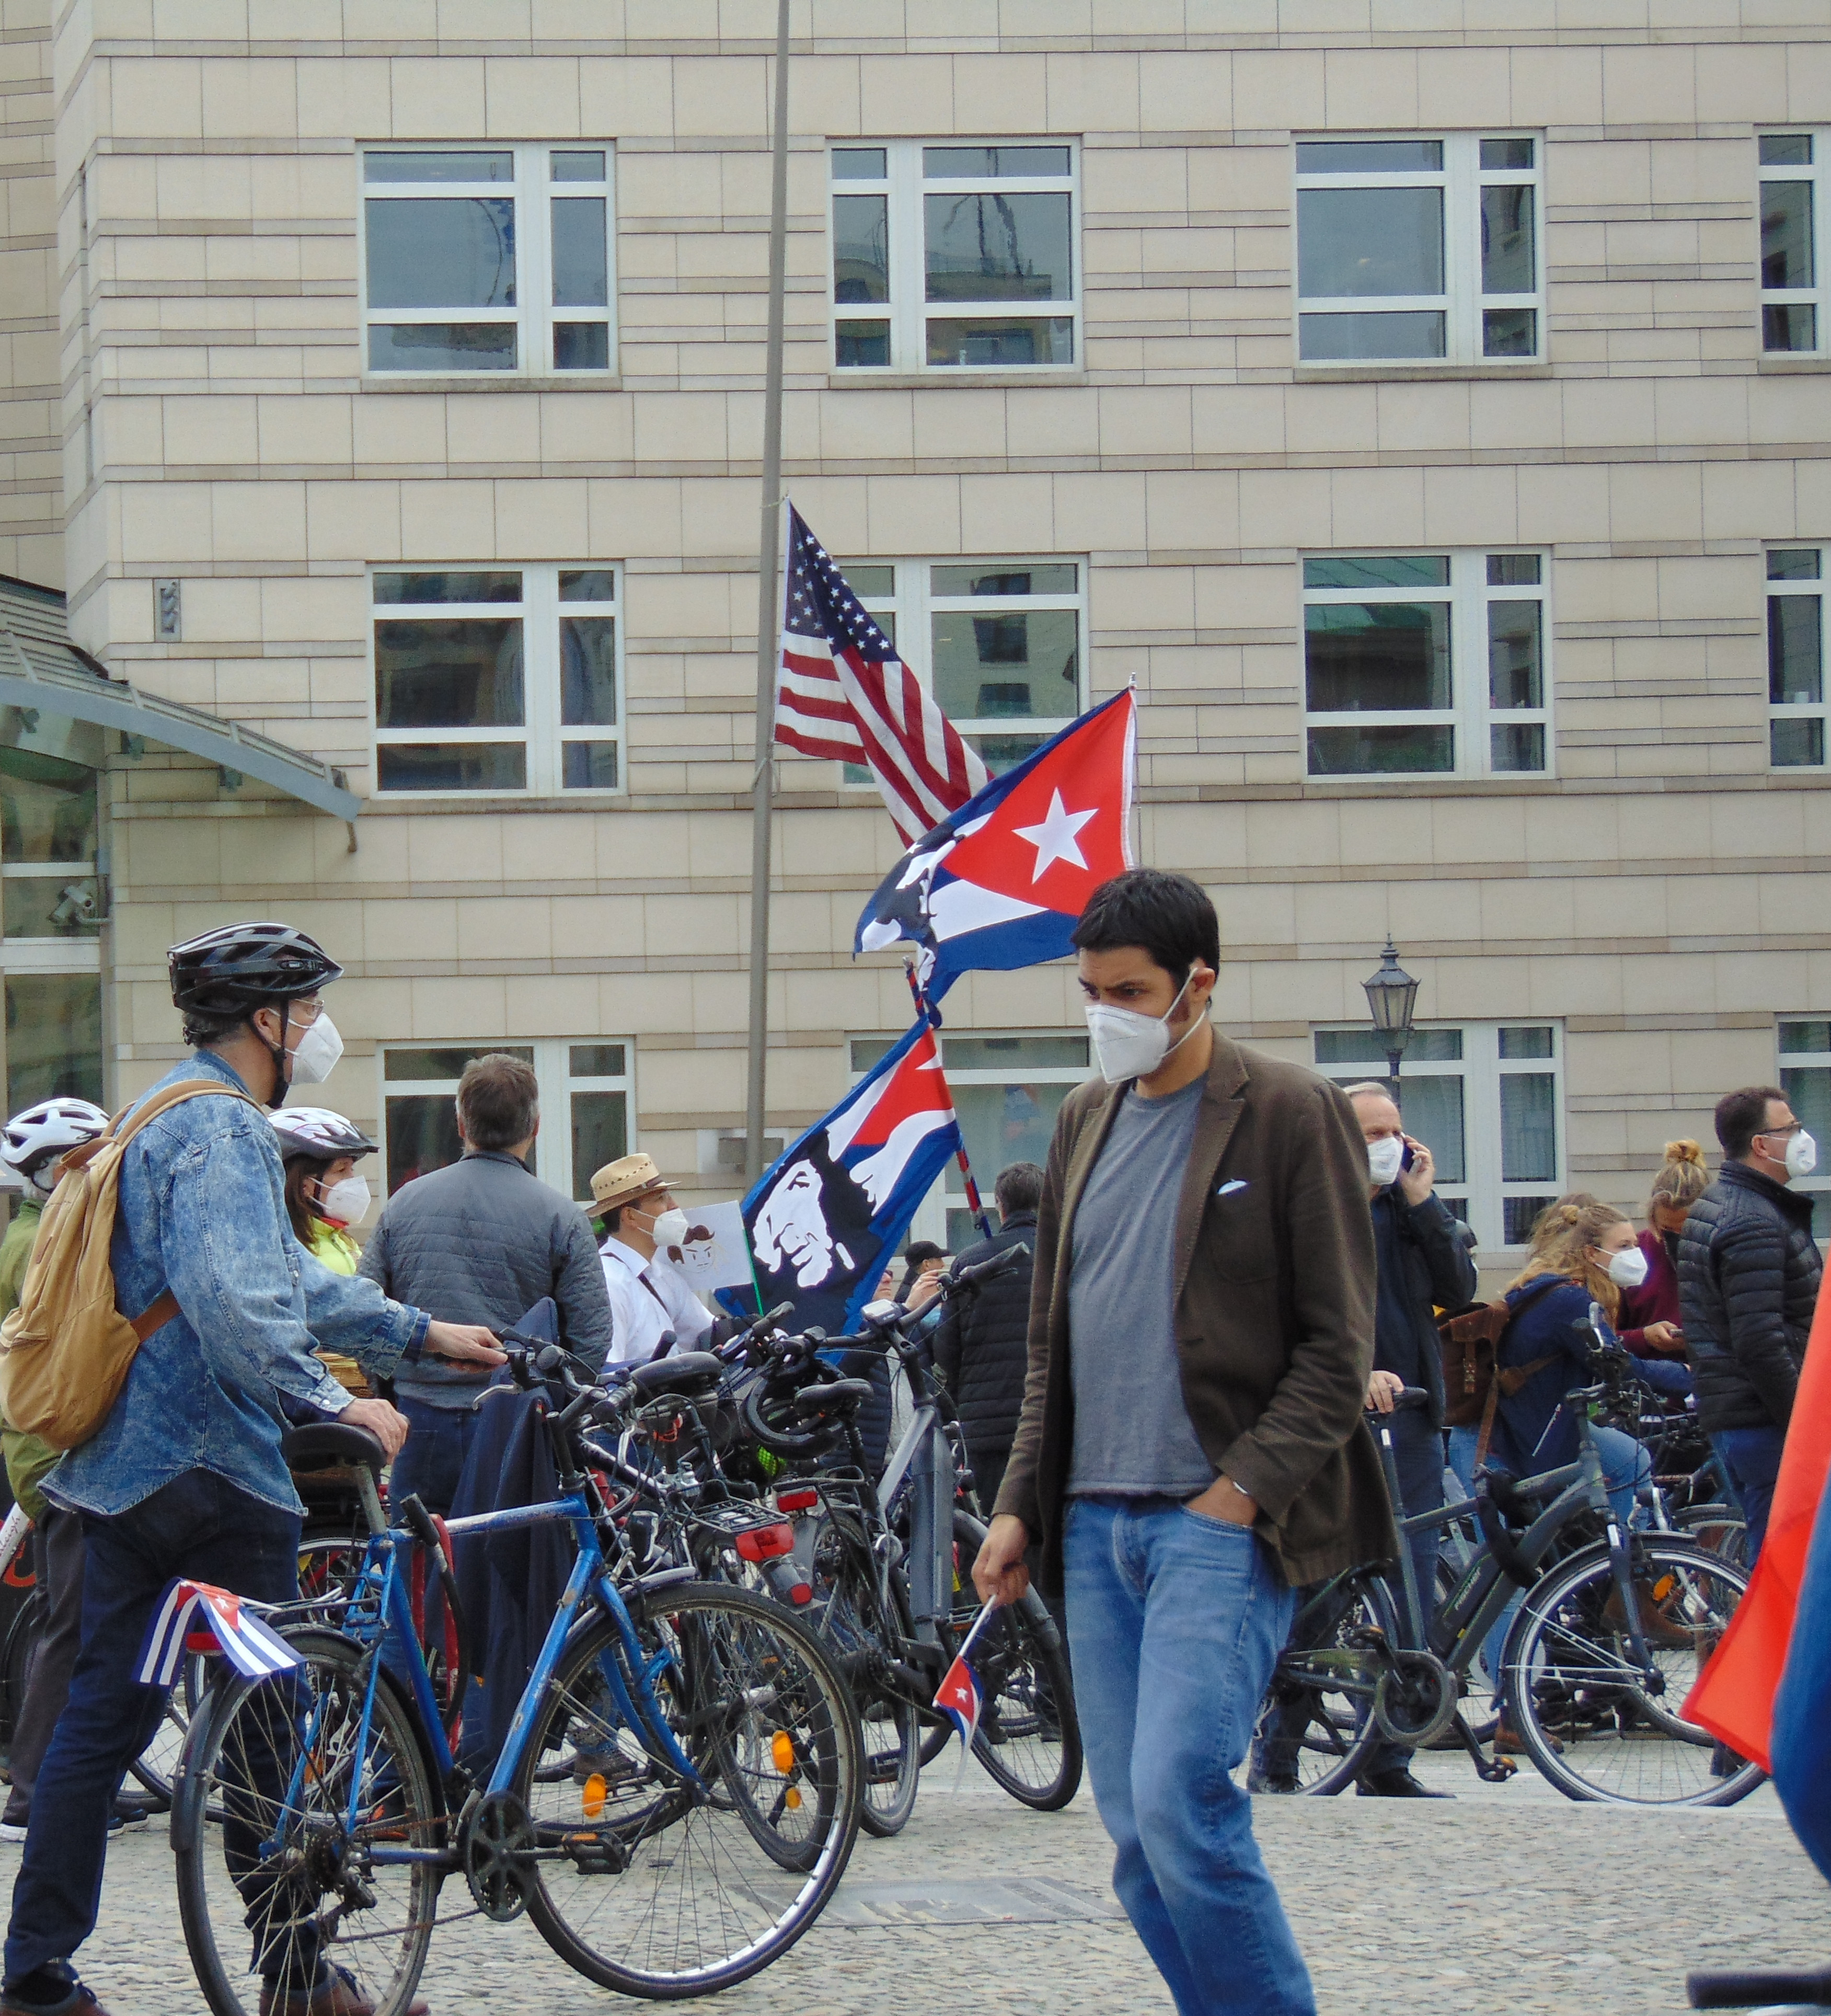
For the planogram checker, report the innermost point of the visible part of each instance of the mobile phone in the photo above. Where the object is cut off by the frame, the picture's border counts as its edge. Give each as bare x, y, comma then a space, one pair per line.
1406, 1159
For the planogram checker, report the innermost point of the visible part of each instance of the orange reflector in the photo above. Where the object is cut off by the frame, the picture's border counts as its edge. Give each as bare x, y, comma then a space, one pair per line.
1664, 1587
782, 1752
792, 1798
593, 1796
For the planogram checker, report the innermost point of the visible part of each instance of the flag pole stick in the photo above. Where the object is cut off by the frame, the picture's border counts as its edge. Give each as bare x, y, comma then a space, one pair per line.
768, 619
974, 1202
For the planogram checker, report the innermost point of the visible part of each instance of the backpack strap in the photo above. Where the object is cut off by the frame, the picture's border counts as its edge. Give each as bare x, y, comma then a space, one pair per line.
160, 1311
1515, 1377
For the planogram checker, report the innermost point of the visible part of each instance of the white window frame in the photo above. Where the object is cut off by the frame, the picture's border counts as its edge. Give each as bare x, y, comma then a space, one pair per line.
1469, 714
1819, 711
912, 605
908, 310
1480, 1198
948, 1195
534, 316
1817, 297
1818, 1184
553, 1069
541, 612
1462, 179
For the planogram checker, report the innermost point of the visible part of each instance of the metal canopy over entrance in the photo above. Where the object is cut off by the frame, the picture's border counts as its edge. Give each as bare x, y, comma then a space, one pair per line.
40, 669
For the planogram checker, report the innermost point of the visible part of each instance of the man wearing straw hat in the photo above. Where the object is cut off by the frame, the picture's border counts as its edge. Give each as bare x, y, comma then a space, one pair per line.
649, 1298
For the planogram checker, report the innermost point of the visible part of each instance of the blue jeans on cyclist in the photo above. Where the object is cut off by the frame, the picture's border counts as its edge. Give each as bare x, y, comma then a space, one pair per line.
1176, 1621
199, 1526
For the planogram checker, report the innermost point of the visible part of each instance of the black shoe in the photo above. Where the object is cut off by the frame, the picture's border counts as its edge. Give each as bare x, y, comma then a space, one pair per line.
1273, 1781
1397, 1784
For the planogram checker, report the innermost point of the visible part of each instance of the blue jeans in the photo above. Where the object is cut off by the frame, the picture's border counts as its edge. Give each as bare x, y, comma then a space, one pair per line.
198, 1526
432, 1460
1183, 1617
1752, 1457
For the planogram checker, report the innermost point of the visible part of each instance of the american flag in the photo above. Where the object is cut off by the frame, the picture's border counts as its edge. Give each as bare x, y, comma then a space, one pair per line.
843, 693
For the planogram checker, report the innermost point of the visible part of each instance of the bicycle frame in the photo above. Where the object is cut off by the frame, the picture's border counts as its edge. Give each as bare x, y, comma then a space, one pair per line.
381, 1593
924, 1459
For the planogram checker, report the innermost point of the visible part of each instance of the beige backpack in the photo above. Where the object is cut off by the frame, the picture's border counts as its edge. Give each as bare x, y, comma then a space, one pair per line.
66, 1351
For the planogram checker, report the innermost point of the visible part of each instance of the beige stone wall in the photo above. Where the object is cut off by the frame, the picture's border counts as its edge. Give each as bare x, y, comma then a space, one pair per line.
31, 514
1663, 893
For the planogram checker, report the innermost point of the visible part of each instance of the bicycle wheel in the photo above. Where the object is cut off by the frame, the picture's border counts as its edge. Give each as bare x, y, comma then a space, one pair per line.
276, 1886
157, 1765
1720, 1529
1316, 1724
1572, 1679
1029, 1736
848, 1614
647, 1884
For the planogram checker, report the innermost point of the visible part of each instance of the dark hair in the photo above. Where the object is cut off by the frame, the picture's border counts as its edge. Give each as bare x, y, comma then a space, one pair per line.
302, 1170
498, 1102
1741, 1116
915, 1257
1018, 1188
203, 1030
1166, 916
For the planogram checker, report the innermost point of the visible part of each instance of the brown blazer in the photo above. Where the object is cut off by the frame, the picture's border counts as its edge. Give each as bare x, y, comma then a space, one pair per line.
1274, 1288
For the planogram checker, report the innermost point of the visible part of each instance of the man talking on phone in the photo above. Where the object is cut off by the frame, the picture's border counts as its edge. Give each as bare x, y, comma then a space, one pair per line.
1423, 1259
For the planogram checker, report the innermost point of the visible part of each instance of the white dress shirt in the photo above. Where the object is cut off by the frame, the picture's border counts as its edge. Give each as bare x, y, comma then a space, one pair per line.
648, 1297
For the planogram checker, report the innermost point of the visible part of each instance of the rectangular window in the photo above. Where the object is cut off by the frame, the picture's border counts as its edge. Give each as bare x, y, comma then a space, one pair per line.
497, 259
1795, 658
497, 679
1487, 1099
1793, 244
48, 888
964, 256
1805, 1078
1426, 663
998, 643
1419, 250
1007, 1091
588, 1082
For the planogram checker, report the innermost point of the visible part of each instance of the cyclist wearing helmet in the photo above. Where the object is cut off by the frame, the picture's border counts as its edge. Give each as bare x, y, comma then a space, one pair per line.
325, 1196
32, 1146
185, 1476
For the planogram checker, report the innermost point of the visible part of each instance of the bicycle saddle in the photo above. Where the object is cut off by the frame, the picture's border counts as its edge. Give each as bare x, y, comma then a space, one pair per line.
686, 1372
836, 1396
330, 1445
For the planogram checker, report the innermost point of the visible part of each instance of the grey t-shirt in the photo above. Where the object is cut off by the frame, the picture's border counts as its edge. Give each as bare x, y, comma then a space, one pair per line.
1131, 1432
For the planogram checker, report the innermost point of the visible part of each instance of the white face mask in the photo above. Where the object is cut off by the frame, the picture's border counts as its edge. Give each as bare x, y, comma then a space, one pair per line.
670, 1229
1127, 1045
319, 1049
1802, 1153
346, 1201
1627, 1269
1385, 1158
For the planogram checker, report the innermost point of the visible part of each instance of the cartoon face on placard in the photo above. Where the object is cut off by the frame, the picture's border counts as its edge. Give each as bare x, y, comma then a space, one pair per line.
713, 1255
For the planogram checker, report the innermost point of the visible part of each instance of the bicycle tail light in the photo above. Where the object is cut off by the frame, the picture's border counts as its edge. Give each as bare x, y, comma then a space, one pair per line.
788, 1584
762, 1543
804, 1498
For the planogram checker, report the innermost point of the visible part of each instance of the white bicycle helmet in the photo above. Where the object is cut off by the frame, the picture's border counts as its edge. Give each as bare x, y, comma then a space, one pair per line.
318, 1132
34, 1139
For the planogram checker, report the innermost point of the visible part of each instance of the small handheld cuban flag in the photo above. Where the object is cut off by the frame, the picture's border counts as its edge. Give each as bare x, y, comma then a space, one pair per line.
823, 1218
1001, 882
960, 1697
198, 1617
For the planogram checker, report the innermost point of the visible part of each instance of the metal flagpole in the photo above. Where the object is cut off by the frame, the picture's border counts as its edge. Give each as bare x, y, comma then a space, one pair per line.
974, 1202
768, 620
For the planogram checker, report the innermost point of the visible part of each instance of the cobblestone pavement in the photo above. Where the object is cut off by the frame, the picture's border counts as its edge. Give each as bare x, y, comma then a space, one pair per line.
1512, 1899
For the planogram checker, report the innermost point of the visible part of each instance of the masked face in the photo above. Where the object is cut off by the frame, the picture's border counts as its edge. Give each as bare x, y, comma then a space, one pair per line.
346, 1201
1626, 1267
1385, 1158
316, 1055
1127, 1045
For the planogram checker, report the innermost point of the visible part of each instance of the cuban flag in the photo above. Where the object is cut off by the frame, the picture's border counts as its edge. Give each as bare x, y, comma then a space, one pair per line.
824, 1218
1001, 883
960, 1696
198, 1617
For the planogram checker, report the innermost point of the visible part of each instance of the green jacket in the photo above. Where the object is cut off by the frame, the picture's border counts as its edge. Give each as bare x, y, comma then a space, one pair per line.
27, 1459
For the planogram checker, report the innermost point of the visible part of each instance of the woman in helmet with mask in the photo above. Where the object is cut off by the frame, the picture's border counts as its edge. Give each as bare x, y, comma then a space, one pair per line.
325, 1196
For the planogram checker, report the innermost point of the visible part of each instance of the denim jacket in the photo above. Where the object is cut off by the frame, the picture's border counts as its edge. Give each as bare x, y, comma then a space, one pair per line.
202, 1211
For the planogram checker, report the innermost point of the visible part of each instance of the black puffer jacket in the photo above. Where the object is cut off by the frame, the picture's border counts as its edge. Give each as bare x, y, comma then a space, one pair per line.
982, 1350
1748, 1280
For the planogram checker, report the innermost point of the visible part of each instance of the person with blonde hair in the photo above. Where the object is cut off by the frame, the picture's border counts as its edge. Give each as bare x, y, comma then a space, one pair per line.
1651, 1326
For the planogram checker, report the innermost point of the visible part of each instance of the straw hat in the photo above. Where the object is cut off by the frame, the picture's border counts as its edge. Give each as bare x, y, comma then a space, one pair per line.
621, 1182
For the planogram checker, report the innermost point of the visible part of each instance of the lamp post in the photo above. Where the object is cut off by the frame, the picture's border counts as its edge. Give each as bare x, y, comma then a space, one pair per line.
1392, 994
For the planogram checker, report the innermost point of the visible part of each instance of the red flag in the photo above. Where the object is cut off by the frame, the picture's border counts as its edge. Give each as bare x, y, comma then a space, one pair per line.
1734, 1697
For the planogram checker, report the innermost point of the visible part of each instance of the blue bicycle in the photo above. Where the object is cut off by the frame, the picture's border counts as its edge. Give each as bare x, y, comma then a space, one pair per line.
675, 1801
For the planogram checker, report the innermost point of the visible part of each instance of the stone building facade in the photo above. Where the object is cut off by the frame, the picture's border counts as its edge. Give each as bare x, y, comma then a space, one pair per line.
1423, 401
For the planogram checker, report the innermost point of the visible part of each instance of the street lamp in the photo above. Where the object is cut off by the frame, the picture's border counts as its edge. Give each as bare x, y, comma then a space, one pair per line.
1392, 994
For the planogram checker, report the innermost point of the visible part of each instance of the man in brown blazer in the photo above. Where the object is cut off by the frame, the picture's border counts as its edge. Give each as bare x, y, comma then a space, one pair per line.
1191, 1450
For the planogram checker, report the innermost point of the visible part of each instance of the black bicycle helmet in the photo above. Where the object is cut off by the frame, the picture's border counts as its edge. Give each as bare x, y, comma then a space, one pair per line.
240, 968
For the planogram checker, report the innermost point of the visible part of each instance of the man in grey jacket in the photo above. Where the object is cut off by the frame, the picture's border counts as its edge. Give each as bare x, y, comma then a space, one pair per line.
481, 1241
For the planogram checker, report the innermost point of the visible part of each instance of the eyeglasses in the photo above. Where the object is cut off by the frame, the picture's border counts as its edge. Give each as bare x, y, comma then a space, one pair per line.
1781, 1133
